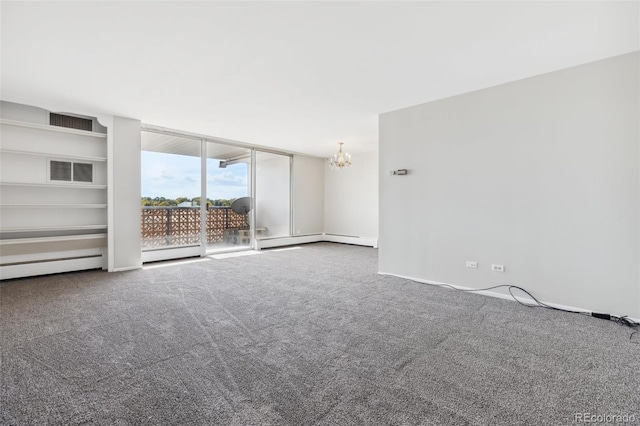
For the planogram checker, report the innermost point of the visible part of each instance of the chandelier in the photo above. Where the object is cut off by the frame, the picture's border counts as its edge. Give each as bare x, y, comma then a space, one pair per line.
341, 160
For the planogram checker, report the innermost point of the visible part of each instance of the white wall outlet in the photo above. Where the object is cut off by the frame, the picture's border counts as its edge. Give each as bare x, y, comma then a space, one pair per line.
497, 268
472, 264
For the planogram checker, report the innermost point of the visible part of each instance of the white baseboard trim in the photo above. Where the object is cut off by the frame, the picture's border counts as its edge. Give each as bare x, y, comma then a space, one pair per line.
497, 294
287, 241
303, 239
52, 267
348, 239
171, 253
126, 268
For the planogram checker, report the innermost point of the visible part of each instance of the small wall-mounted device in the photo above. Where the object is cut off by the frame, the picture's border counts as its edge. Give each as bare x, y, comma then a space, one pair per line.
497, 268
398, 172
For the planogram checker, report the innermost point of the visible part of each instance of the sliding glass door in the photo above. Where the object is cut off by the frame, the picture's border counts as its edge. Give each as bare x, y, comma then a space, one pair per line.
228, 171
171, 176
200, 196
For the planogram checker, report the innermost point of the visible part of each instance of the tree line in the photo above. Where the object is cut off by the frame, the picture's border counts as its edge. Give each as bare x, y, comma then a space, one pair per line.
195, 201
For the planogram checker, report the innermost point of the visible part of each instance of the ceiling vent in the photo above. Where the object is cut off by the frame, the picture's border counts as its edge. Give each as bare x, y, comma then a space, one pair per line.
61, 120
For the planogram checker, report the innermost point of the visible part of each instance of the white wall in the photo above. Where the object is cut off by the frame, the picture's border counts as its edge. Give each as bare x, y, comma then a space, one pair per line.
24, 113
308, 195
541, 175
351, 197
125, 247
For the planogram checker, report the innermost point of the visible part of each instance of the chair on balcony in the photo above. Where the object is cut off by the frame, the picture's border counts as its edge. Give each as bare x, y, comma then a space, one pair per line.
242, 206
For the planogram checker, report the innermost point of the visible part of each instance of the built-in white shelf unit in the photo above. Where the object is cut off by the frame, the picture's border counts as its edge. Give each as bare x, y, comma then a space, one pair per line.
53, 196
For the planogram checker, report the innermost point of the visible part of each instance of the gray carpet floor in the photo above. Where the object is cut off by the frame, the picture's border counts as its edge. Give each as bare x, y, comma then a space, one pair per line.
298, 337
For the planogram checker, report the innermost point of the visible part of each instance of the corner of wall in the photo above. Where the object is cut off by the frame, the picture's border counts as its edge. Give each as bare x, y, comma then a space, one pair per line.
351, 198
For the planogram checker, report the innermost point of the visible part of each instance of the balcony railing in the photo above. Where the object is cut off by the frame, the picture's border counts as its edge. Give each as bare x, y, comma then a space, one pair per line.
171, 226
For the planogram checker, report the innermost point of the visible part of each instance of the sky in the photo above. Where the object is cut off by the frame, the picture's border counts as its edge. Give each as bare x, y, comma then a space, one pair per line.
173, 176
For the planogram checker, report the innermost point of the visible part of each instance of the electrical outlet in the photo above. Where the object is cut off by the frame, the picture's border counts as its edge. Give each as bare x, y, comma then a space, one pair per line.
472, 264
497, 268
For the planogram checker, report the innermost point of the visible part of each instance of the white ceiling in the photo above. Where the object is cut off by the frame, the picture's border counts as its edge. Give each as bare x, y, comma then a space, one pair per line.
298, 76
171, 144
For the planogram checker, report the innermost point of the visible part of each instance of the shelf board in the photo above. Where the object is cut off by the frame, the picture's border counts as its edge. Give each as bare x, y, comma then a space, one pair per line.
53, 155
36, 240
55, 185
53, 206
53, 228
49, 128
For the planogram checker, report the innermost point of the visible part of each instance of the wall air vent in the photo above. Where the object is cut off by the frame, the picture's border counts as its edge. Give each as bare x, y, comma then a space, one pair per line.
68, 171
82, 172
61, 120
60, 170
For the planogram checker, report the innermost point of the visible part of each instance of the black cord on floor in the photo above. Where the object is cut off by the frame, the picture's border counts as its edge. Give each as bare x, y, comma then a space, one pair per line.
622, 320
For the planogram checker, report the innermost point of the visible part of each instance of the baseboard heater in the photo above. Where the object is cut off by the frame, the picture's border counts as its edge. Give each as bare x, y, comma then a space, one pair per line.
51, 266
314, 238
